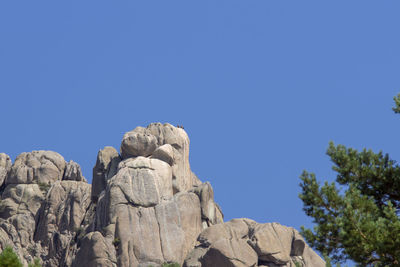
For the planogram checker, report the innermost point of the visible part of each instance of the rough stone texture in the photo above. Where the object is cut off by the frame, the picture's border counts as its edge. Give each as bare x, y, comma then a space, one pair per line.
105, 168
141, 182
36, 216
229, 252
20, 203
41, 166
20, 198
5, 167
95, 251
151, 234
164, 153
210, 211
139, 142
64, 210
243, 242
144, 208
151, 140
73, 172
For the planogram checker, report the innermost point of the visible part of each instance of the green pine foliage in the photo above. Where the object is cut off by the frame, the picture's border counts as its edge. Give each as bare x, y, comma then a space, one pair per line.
396, 109
356, 217
8, 258
35, 263
170, 264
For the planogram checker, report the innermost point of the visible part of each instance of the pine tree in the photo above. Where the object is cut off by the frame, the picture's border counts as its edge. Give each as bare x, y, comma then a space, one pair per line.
35, 263
356, 217
8, 258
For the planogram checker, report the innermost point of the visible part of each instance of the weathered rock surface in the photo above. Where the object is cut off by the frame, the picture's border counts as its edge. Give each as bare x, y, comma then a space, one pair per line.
105, 168
243, 242
5, 167
95, 251
151, 140
145, 207
43, 202
37, 167
73, 172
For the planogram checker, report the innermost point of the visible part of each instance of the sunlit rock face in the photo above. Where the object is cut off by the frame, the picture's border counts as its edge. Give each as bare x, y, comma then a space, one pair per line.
244, 242
44, 200
151, 203
145, 207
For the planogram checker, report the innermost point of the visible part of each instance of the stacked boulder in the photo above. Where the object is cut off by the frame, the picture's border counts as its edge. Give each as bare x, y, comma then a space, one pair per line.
43, 201
149, 204
145, 207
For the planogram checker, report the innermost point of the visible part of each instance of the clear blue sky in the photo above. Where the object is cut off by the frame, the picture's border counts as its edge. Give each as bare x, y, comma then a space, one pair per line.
261, 87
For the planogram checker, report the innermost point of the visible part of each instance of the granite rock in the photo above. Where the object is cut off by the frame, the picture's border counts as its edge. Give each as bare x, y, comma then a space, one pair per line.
144, 208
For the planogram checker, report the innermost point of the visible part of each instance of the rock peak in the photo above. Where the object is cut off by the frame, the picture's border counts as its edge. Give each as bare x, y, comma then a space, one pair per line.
145, 207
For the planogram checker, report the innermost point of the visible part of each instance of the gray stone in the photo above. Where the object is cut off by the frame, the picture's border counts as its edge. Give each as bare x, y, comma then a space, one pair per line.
21, 198
164, 153
190, 220
145, 142
73, 172
210, 211
61, 220
272, 242
269, 244
138, 142
311, 258
139, 235
64, 210
298, 244
5, 167
105, 168
37, 167
141, 181
230, 252
95, 251
145, 208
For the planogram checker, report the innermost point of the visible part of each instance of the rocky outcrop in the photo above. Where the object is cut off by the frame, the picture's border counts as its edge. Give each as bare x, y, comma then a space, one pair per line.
5, 166
73, 172
43, 202
40, 167
243, 242
145, 207
151, 206
164, 142
105, 168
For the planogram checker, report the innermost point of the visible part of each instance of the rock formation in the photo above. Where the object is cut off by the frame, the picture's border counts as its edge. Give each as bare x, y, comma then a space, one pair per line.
145, 207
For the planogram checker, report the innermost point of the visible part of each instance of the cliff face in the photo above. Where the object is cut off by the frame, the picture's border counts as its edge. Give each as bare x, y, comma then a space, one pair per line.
145, 207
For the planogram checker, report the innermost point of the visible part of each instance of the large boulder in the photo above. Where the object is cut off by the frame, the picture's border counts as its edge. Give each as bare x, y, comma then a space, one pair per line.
164, 142
73, 172
41, 167
95, 251
243, 242
139, 142
210, 211
21, 198
141, 182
